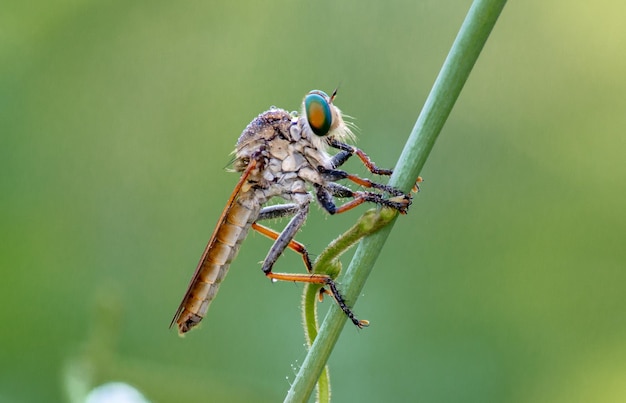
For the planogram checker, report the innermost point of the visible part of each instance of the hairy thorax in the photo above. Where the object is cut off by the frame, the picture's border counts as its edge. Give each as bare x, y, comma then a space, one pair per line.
288, 155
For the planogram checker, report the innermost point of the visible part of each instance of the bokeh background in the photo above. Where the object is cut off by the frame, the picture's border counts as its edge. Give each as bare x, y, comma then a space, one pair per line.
505, 283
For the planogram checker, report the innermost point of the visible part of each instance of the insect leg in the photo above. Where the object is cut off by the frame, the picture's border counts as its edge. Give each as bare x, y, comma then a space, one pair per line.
278, 211
347, 151
340, 158
351, 150
334, 175
325, 198
282, 242
284, 239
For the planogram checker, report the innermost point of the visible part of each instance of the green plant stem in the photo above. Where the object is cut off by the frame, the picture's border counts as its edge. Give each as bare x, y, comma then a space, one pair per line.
328, 263
467, 46
309, 313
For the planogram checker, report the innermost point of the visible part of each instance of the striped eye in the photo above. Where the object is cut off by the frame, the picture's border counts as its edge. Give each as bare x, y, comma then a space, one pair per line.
318, 114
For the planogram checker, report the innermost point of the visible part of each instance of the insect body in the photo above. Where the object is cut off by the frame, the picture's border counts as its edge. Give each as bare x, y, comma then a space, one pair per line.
282, 155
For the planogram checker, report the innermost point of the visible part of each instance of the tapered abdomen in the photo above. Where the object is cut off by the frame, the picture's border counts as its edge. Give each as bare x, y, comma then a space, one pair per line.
221, 250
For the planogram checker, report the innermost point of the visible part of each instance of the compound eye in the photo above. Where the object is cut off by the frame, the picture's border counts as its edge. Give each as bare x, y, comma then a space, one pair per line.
318, 112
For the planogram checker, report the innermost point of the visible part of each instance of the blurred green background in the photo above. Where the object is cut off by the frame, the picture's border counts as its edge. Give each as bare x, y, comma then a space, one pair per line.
505, 283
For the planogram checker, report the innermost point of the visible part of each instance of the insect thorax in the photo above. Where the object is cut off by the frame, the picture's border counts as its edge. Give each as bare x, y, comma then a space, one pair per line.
289, 155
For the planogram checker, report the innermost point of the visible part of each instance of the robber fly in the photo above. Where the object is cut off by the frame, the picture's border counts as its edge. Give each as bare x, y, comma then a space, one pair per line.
282, 154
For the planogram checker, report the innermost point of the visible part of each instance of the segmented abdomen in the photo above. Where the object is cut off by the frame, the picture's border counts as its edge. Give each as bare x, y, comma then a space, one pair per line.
219, 253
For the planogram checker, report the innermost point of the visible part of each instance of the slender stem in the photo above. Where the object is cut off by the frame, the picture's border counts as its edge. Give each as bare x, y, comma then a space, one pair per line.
328, 263
467, 46
309, 314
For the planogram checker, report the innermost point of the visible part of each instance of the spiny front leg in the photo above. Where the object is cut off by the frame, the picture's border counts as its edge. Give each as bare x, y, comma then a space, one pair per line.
348, 150
325, 195
334, 175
